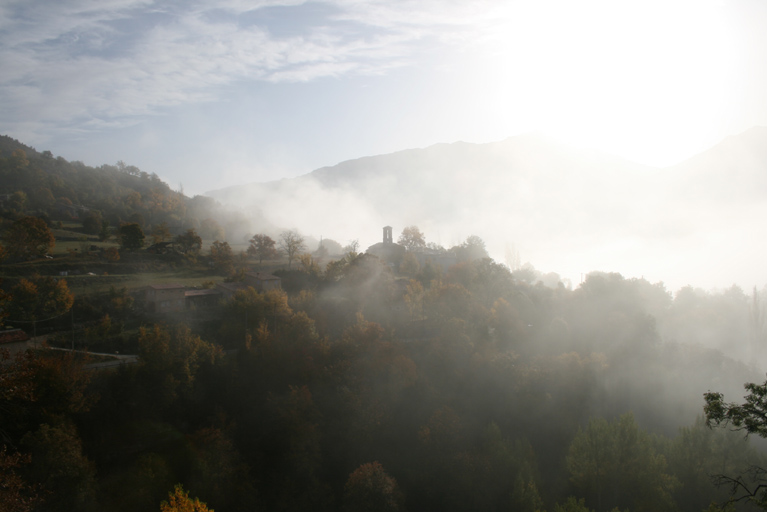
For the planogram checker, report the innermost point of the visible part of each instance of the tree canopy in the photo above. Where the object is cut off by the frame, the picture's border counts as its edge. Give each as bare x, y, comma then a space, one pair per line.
131, 236
29, 237
412, 239
262, 247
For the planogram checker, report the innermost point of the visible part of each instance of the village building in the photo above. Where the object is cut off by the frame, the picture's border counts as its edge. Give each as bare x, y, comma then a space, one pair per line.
444, 260
228, 290
387, 250
175, 298
198, 300
165, 298
262, 281
392, 253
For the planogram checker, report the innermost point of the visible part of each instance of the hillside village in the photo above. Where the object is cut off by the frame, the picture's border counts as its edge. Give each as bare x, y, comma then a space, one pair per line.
163, 344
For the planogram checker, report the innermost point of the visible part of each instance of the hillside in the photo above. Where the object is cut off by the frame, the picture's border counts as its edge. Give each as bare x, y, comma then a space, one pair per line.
39, 183
466, 388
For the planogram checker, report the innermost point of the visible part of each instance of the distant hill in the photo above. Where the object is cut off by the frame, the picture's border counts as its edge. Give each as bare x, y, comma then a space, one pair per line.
519, 184
567, 210
38, 183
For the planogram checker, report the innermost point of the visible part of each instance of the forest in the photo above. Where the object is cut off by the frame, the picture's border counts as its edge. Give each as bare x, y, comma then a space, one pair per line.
360, 385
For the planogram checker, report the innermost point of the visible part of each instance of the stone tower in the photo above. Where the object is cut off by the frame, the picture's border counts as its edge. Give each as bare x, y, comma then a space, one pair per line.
387, 235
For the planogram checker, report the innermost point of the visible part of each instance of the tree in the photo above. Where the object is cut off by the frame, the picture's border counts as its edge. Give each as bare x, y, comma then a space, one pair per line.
160, 232
750, 417
59, 464
262, 247
412, 239
370, 489
131, 236
179, 501
472, 249
513, 260
221, 254
18, 202
352, 247
92, 222
5, 299
292, 244
615, 464
189, 242
173, 358
104, 233
409, 265
328, 247
29, 237
39, 299
16, 495
209, 228
112, 254
572, 505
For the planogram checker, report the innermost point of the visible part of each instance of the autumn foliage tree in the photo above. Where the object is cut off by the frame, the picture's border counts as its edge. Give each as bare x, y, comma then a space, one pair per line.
412, 239
370, 489
189, 242
39, 299
16, 494
29, 237
160, 232
171, 358
179, 501
222, 256
262, 247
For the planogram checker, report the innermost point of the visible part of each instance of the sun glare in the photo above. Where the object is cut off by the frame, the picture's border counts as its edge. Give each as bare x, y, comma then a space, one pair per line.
650, 81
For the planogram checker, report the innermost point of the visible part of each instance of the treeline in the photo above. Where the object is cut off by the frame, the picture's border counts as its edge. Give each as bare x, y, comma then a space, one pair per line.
363, 389
33, 183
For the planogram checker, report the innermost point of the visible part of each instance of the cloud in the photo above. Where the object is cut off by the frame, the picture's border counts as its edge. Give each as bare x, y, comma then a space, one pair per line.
76, 64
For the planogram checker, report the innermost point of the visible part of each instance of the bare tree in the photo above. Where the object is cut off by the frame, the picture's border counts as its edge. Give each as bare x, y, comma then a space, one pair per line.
353, 246
292, 244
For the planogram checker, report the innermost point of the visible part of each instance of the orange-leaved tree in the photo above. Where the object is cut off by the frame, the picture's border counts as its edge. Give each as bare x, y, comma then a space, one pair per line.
179, 501
29, 237
369, 488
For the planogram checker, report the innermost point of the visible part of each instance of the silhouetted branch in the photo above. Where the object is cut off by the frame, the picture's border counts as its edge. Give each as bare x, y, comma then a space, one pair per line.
740, 487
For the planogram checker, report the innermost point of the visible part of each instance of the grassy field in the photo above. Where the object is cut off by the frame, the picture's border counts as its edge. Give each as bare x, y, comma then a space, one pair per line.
91, 273
64, 247
192, 277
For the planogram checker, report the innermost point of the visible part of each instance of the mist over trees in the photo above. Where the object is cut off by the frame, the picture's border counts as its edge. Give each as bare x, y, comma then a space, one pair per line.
364, 388
566, 209
442, 381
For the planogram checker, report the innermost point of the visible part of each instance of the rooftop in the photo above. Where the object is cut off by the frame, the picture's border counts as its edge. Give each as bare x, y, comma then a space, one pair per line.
197, 293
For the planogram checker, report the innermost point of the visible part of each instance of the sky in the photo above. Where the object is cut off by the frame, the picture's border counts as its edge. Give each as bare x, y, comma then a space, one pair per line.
209, 94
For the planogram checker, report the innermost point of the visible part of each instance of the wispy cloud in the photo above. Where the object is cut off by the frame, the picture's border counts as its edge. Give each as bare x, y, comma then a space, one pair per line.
78, 64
